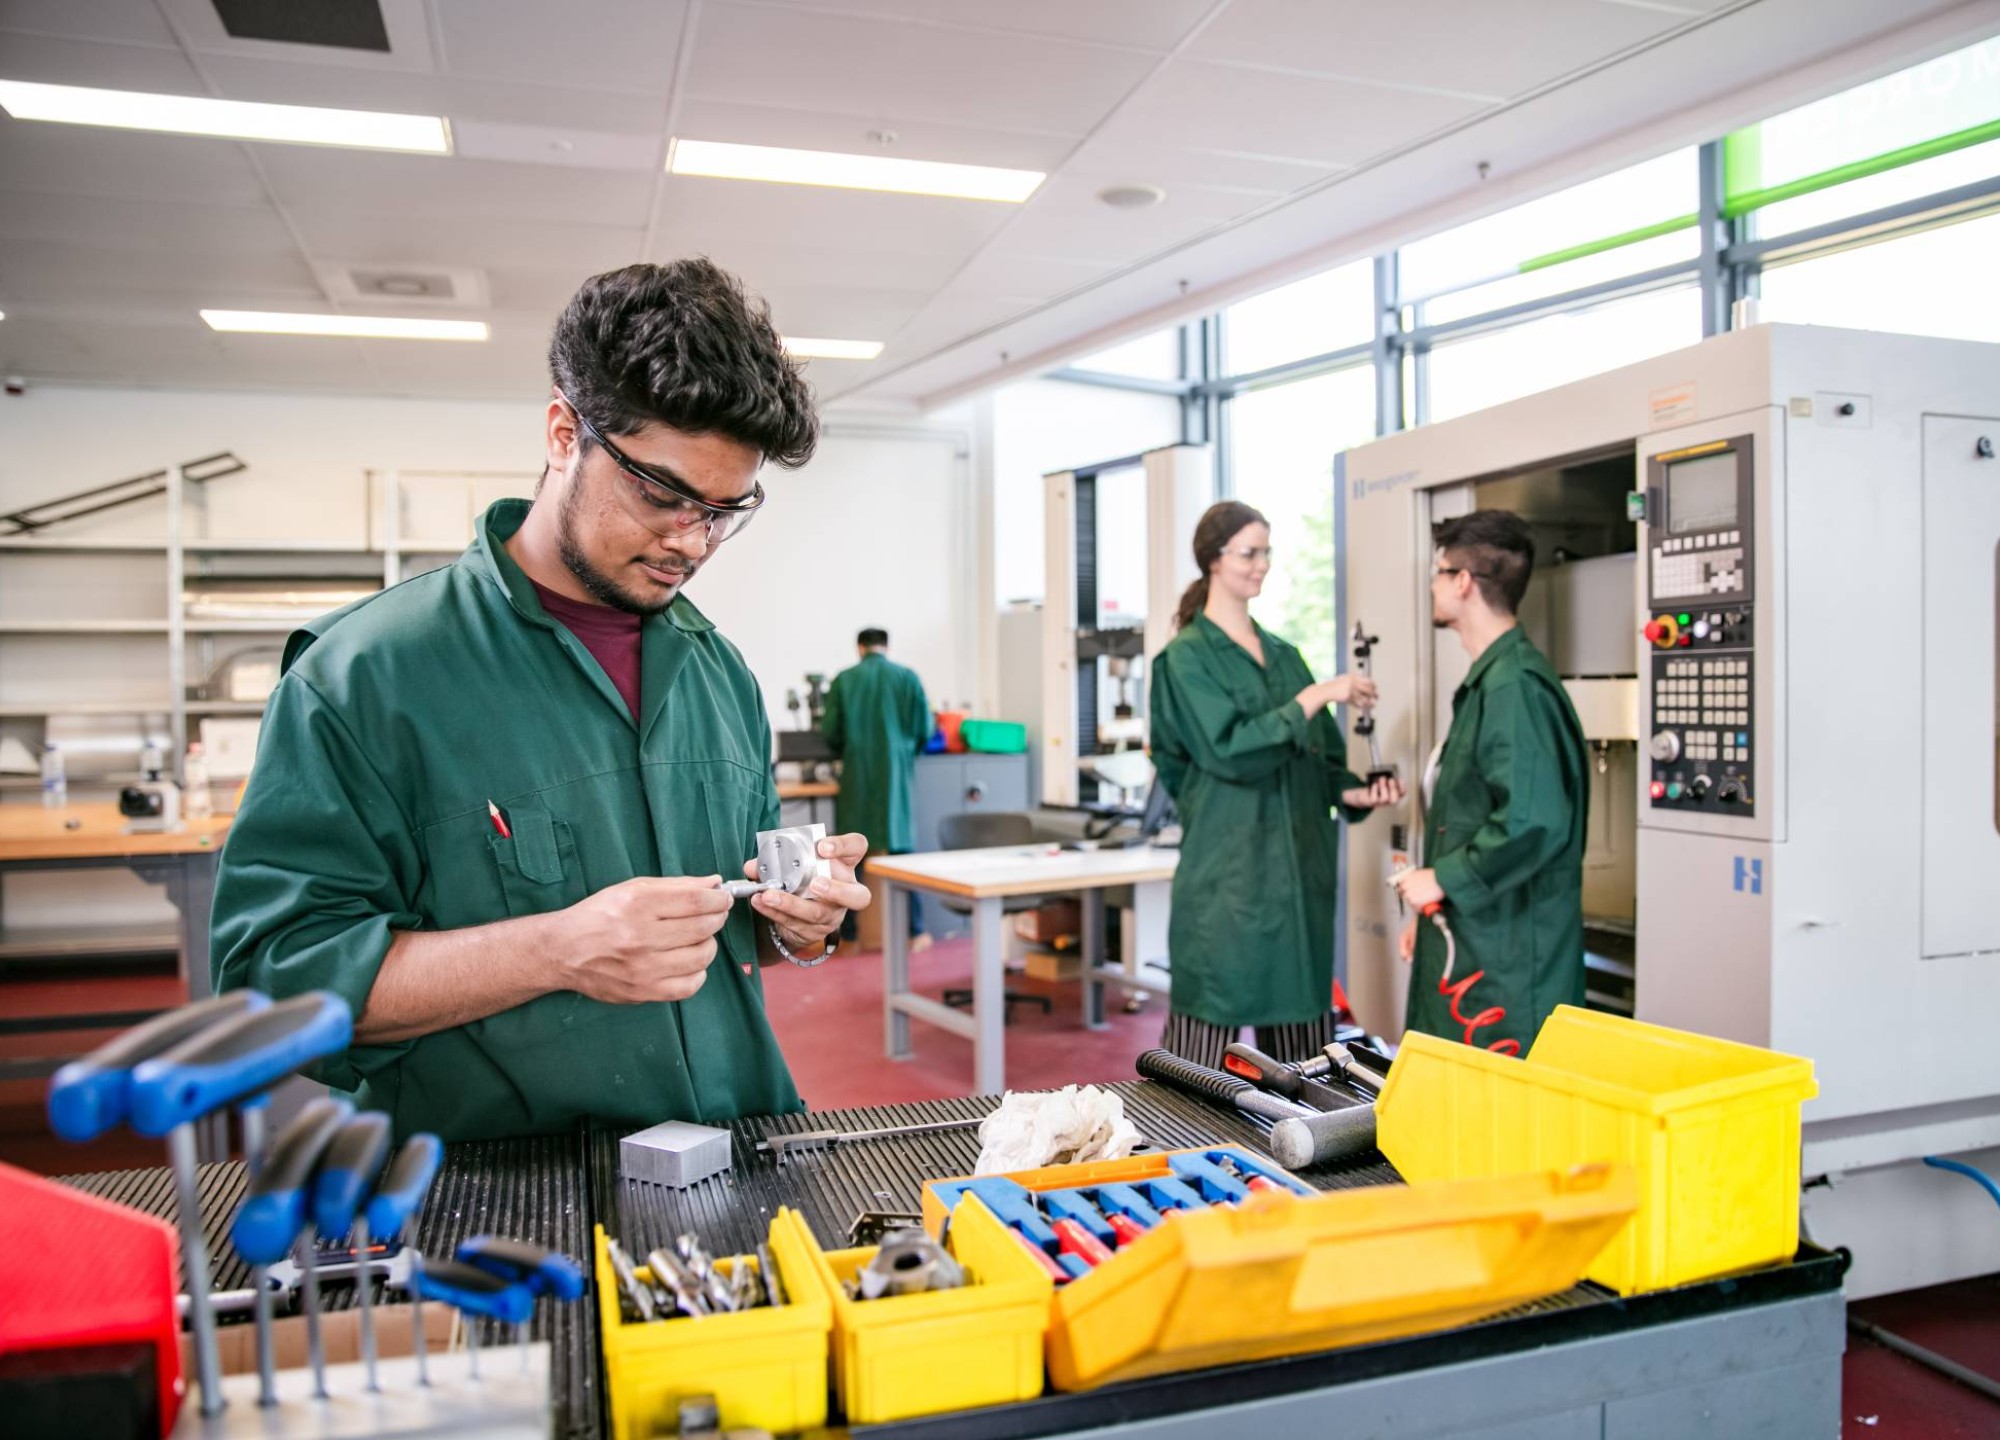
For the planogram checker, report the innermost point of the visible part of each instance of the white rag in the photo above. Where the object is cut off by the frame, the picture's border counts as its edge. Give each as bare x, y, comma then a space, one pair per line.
1055, 1127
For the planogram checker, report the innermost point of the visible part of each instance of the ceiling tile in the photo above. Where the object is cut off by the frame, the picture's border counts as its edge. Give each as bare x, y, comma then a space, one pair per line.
131, 227
334, 232
399, 186
703, 214
1155, 25
584, 43
1129, 156
844, 313
52, 61
889, 70
1001, 270
771, 263
456, 97
85, 20
407, 23
1328, 122
801, 129
128, 164
546, 145
1481, 47
1067, 220
50, 272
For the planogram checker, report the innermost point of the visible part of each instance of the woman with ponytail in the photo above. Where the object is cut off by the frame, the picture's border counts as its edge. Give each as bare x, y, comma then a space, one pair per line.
1245, 742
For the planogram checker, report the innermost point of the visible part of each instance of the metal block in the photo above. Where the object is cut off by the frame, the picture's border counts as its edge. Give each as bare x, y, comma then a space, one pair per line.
674, 1153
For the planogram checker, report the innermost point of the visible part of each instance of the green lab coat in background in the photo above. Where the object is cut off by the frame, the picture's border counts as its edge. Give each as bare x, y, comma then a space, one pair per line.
398, 718
1250, 938
877, 722
1506, 836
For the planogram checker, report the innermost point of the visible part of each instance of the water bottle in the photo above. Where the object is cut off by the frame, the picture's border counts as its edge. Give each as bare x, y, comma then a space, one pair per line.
197, 803
55, 784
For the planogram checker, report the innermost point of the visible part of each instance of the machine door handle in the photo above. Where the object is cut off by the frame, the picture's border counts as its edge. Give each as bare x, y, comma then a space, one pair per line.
974, 794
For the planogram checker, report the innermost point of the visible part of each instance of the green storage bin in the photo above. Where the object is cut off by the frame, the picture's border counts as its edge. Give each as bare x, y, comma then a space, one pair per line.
995, 737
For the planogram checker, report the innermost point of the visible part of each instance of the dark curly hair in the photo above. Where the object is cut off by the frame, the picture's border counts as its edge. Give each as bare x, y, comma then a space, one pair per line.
686, 345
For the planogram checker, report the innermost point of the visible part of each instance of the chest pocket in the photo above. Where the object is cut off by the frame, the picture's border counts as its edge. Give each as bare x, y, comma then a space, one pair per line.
539, 869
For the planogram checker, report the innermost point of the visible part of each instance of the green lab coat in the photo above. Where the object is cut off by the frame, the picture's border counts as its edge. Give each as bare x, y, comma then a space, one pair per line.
1506, 836
398, 718
1250, 938
877, 722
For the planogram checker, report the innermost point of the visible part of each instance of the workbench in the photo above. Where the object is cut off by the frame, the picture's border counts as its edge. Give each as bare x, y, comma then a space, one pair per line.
987, 878
811, 792
95, 836
1755, 1355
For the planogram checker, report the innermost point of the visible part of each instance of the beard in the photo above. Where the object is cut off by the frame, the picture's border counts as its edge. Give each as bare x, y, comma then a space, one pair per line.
602, 587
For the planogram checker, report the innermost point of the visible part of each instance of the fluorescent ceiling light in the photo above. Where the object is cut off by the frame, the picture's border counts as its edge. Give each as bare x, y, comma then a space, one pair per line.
366, 327
849, 172
832, 349
231, 119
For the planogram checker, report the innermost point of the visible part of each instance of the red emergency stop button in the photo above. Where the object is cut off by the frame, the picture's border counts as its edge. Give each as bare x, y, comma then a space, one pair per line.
1659, 791
1663, 631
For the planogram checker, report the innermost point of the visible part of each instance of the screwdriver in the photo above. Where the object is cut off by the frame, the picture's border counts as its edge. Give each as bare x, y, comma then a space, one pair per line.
347, 1173
543, 1271
218, 1066
474, 1293
91, 1096
397, 1198
273, 1214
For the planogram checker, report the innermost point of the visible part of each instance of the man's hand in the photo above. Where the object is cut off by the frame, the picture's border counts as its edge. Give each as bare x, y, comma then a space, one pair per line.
1406, 943
1386, 791
646, 939
804, 921
1419, 888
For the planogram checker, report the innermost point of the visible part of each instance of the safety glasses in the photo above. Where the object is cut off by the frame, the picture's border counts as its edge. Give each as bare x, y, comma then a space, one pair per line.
664, 504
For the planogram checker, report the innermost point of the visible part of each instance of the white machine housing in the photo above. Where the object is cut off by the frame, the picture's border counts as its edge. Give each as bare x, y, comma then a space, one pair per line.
1840, 905
1180, 484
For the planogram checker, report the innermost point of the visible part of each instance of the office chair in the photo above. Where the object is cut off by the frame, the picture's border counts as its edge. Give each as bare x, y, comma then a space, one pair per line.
979, 831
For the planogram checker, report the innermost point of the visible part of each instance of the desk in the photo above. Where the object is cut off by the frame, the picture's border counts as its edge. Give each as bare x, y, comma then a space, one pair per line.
986, 878
810, 791
93, 837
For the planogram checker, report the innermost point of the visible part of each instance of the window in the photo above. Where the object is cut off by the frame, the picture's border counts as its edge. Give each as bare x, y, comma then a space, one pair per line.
1937, 282
1150, 357
1501, 365
1945, 104
1327, 312
1878, 191
1607, 214
1283, 441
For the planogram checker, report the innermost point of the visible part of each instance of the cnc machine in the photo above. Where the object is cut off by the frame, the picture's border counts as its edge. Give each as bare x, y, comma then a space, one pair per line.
1796, 814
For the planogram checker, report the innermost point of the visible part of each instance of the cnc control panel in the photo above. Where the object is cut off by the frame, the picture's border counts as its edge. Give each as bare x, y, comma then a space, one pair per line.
1701, 593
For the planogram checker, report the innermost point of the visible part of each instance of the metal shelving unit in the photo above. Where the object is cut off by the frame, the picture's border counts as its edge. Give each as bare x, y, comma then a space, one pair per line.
197, 558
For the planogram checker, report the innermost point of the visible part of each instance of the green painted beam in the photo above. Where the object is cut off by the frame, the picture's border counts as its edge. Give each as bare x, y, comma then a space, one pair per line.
1741, 201
1610, 242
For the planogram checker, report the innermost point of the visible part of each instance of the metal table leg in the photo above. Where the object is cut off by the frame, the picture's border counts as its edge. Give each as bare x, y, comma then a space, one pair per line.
989, 1000
895, 971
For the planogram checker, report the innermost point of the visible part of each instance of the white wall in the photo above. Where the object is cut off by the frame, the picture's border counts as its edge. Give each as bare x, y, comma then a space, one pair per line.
1046, 425
878, 530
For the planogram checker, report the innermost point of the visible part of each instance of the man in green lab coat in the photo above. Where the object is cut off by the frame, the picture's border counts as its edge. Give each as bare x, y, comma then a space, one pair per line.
1504, 838
470, 787
877, 721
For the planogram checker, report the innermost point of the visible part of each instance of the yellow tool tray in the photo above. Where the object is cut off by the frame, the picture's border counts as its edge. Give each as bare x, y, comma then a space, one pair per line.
766, 1367
1711, 1126
1284, 1273
900, 1356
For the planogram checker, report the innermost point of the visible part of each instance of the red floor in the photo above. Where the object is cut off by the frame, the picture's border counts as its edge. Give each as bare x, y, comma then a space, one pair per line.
829, 1020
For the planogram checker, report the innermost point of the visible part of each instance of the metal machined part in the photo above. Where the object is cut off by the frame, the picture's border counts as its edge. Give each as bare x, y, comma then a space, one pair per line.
908, 1263
789, 858
767, 1267
629, 1286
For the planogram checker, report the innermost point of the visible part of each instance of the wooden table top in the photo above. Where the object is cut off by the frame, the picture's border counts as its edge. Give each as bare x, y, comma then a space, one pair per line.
1024, 869
808, 789
93, 832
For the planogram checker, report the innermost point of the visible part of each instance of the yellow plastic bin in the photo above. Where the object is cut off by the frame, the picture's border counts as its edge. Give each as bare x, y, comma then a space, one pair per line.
766, 1367
901, 1356
1283, 1274
1711, 1125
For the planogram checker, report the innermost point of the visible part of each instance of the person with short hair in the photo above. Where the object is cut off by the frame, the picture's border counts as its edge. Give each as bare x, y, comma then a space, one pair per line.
1504, 834
493, 804
878, 721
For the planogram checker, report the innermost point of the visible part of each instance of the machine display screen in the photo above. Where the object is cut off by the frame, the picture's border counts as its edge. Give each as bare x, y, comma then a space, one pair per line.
1701, 493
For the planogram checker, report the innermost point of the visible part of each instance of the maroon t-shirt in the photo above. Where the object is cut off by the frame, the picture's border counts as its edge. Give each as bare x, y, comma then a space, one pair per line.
610, 635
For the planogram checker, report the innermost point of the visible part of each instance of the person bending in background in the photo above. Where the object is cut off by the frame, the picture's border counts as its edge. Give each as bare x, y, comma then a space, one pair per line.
1504, 838
1244, 741
877, 721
